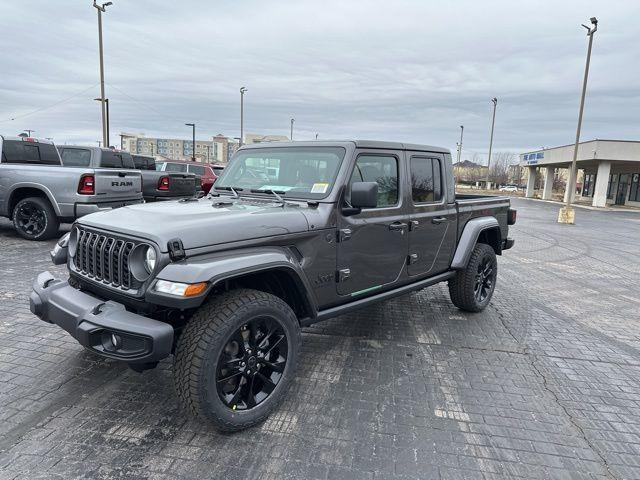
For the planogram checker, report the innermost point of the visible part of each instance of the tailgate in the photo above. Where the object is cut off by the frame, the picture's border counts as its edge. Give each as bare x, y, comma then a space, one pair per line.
115, 183
181, 183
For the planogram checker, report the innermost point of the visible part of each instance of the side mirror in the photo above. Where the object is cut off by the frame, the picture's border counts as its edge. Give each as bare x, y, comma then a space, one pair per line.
364, 195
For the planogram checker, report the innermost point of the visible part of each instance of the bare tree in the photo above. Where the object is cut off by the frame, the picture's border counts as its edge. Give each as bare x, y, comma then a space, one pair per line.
499, 171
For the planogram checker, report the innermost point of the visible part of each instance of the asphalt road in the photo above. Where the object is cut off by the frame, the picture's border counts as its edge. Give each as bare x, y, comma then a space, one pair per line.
545, 383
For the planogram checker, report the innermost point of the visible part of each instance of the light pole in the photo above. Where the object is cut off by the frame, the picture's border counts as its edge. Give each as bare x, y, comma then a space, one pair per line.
316, 136
566, 213
106, 101
101, 9
193, 136
242, 92
460, 144
494, 100
292, 122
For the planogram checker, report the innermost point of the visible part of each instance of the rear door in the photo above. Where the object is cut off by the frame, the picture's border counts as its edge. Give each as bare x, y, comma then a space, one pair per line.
372, 245
432, 221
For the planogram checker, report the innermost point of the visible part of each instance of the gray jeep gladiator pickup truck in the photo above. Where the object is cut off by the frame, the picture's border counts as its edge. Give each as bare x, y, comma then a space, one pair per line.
155, 185
38, 194
291, 234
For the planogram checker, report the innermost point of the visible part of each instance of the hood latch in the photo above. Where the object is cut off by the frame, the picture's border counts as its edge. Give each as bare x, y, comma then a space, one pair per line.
176, 250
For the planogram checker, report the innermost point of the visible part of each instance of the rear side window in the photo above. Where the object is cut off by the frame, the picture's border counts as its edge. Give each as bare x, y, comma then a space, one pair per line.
197, 169
111, 160
17, 151
127, 161
176, 167
72, 157
426, 180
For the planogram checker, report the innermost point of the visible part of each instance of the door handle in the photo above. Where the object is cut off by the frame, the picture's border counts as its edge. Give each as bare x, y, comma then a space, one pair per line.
438, 220
397, 226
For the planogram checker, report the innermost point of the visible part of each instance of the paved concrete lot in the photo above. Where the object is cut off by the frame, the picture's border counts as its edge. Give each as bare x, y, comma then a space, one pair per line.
544, 384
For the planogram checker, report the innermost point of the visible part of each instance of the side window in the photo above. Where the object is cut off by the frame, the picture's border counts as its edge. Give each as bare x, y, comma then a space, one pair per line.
127, 161
139, 162
426, 180
197, 169
382, 169
72, 157
111, 160
176, 167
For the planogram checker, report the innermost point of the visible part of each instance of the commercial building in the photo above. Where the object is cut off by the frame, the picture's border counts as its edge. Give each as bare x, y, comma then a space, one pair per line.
257, 138
214, 151
611, 171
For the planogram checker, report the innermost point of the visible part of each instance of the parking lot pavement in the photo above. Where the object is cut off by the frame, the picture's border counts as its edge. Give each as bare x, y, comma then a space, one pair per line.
545, 383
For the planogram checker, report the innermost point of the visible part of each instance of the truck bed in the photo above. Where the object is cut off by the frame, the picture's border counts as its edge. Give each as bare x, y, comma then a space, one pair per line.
472, 206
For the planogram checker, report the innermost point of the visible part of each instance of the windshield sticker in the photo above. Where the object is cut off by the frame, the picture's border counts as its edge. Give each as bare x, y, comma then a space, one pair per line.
319, 188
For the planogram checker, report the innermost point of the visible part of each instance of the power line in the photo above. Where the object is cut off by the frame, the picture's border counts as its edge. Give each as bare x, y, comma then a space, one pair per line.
60, 102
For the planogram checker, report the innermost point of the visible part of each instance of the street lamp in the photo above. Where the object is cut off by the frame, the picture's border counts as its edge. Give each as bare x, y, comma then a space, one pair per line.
242, 92
460, 144
193, 131
101, 9
494, 100
566, 213
106, 101
292, 121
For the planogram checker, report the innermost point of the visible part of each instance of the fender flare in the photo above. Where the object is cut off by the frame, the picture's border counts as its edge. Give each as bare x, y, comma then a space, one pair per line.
216, 268
469, 238
35, 186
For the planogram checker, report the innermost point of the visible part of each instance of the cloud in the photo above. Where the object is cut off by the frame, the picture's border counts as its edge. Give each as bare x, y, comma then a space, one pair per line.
404, 70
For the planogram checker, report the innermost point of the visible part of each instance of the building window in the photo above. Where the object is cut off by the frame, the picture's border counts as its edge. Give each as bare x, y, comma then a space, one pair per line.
589, 185
634, 192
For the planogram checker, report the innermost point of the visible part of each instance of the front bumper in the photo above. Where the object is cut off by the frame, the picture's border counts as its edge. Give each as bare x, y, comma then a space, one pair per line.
104, 327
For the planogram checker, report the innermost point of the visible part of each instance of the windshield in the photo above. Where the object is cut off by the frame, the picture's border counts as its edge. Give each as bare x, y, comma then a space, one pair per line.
303, 172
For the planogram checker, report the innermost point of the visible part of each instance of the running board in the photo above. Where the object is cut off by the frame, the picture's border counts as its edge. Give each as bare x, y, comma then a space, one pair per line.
364, 302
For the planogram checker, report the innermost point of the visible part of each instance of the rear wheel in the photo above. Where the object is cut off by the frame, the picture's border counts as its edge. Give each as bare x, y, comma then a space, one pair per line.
236, 358
472, 288
34, 219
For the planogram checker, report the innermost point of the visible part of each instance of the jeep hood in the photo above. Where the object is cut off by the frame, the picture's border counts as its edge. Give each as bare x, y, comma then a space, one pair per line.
201, 223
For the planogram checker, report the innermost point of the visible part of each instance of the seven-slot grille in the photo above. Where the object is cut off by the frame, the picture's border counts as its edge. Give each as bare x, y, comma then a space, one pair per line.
104, 258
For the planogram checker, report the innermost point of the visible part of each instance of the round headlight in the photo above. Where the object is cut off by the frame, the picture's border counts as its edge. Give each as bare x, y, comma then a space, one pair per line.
150, 259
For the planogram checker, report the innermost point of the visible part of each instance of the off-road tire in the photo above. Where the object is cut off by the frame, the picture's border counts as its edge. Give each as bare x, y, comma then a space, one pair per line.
199, 347
52, 224
461, 287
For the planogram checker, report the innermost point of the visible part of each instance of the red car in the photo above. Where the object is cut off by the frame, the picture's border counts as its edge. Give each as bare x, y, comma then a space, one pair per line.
208, 173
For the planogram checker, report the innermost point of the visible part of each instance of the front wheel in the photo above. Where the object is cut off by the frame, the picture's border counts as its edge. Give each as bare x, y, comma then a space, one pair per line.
472, 288
236, 358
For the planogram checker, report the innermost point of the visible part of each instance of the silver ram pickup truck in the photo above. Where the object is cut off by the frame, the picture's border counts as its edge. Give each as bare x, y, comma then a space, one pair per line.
38, 194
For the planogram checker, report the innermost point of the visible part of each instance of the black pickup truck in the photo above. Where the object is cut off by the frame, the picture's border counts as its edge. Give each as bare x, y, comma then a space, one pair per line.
155, 185
291, 234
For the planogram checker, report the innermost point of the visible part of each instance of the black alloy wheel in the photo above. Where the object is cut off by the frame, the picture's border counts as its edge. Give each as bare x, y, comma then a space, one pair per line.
484, 280
30, 218
251, 363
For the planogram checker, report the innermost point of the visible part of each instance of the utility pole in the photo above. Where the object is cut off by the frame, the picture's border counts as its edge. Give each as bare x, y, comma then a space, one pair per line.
566, 213
101, 9
494, 100
99, 143
193, 131
122, 141
292, 121
106, 101
460, 144
242, 92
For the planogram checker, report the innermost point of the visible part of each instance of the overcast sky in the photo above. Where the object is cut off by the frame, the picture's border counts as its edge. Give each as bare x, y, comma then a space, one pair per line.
390, 70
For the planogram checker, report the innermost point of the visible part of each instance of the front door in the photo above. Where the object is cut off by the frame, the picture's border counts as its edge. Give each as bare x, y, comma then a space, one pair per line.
432, 222
623, 183
372, 245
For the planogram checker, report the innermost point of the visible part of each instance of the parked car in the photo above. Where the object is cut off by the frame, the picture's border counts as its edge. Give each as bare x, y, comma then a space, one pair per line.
155, 185
509, 188
205, 171
38, 194
225, 283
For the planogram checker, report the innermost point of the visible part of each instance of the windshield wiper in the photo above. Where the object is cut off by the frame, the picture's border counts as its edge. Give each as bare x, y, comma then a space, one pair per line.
233, 190
275, 193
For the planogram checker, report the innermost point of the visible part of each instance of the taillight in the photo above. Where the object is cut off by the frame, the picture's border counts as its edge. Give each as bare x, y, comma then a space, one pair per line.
511, 216
163, 183
87, 185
